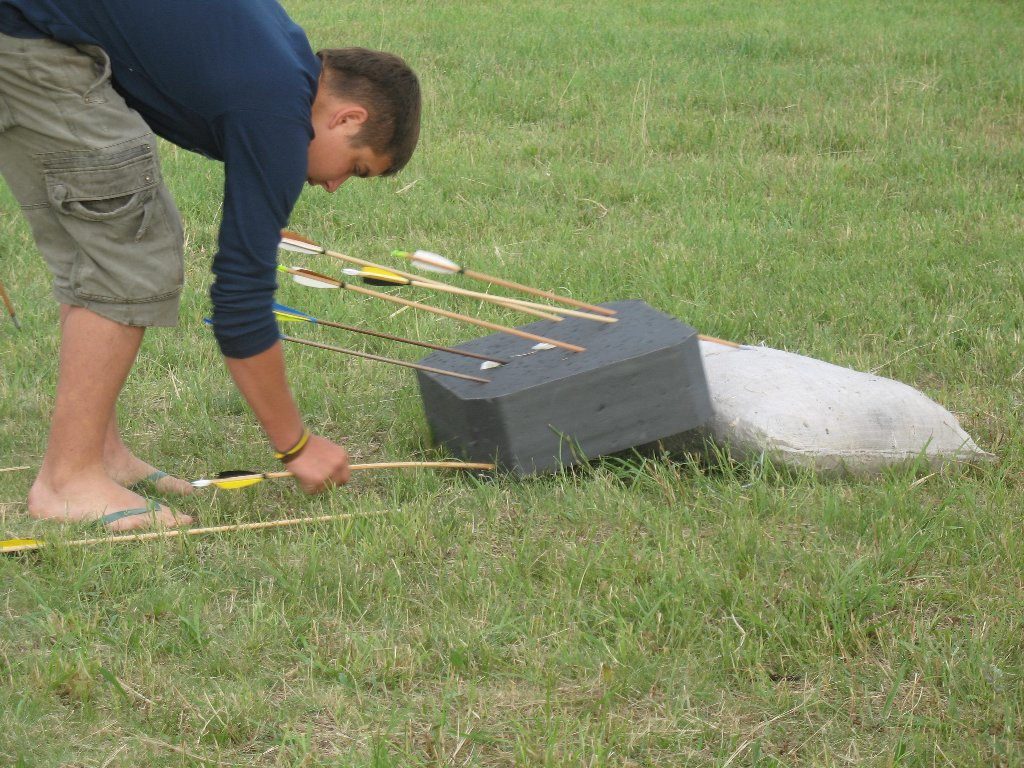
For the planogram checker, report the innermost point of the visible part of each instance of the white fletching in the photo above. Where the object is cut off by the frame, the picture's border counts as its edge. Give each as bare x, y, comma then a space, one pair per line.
312, 282
432, 262
535, 348
288, 244
201, 483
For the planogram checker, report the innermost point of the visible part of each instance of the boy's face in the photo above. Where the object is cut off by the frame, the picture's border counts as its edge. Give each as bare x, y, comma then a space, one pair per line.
332, 158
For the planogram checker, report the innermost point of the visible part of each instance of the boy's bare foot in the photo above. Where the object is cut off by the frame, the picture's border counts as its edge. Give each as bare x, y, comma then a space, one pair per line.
127, 469
90, 498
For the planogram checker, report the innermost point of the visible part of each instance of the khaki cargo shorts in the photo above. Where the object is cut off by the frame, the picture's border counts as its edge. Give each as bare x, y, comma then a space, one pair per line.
84, 168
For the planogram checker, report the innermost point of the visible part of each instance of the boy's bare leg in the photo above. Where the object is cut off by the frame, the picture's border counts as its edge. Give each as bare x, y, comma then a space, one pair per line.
73, 483
123, 466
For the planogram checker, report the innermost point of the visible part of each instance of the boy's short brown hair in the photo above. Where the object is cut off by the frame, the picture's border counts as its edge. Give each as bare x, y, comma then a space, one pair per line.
388, 88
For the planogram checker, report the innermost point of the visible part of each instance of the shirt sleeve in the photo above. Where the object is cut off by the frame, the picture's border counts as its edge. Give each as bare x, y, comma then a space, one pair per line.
265, 166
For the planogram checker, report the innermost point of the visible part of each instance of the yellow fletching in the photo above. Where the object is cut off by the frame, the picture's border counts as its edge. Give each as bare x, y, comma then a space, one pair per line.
233, 483
15, 544
378, 273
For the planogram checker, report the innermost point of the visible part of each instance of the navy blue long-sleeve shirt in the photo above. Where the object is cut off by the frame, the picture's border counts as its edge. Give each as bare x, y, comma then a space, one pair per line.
231, 79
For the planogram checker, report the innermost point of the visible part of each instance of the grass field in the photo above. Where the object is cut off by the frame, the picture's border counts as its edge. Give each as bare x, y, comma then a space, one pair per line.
844, 180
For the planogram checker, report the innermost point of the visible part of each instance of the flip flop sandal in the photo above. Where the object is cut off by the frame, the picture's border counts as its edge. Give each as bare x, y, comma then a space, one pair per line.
148, 483
151, 508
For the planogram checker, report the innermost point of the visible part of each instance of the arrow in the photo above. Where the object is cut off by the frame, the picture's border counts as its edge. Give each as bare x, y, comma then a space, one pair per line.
9, 305
233, 479
379, 359
433, 262
289, 314
313, 279
13, 546
723, 342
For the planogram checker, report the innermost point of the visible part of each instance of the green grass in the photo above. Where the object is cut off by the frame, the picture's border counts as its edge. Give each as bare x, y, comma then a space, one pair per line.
838, 179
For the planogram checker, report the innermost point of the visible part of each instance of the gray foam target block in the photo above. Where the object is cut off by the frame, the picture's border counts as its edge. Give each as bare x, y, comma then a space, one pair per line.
640, 380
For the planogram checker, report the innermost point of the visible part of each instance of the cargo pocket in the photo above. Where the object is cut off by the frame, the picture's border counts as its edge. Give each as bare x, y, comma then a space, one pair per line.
113, 204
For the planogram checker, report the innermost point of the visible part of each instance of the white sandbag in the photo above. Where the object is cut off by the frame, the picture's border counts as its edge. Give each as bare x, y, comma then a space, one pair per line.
803, 412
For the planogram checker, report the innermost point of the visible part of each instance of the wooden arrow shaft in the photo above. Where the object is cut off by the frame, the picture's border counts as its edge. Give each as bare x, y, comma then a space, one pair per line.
378, 358
537, 292
260, 476
465, 318
423, 465
723, 342
517, 306
380, 465
33, 544
562, 311
424, 344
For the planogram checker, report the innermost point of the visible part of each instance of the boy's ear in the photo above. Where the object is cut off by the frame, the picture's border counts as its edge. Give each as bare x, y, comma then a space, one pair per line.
349, 114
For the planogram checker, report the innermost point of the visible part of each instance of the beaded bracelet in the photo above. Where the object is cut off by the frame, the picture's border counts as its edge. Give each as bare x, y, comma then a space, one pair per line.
295, 450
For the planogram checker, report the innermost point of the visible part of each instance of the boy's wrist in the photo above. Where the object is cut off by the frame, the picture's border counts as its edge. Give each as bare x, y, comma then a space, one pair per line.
293, 451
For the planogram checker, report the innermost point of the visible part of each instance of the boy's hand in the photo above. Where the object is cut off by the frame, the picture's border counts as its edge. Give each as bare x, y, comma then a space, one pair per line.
322, 465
